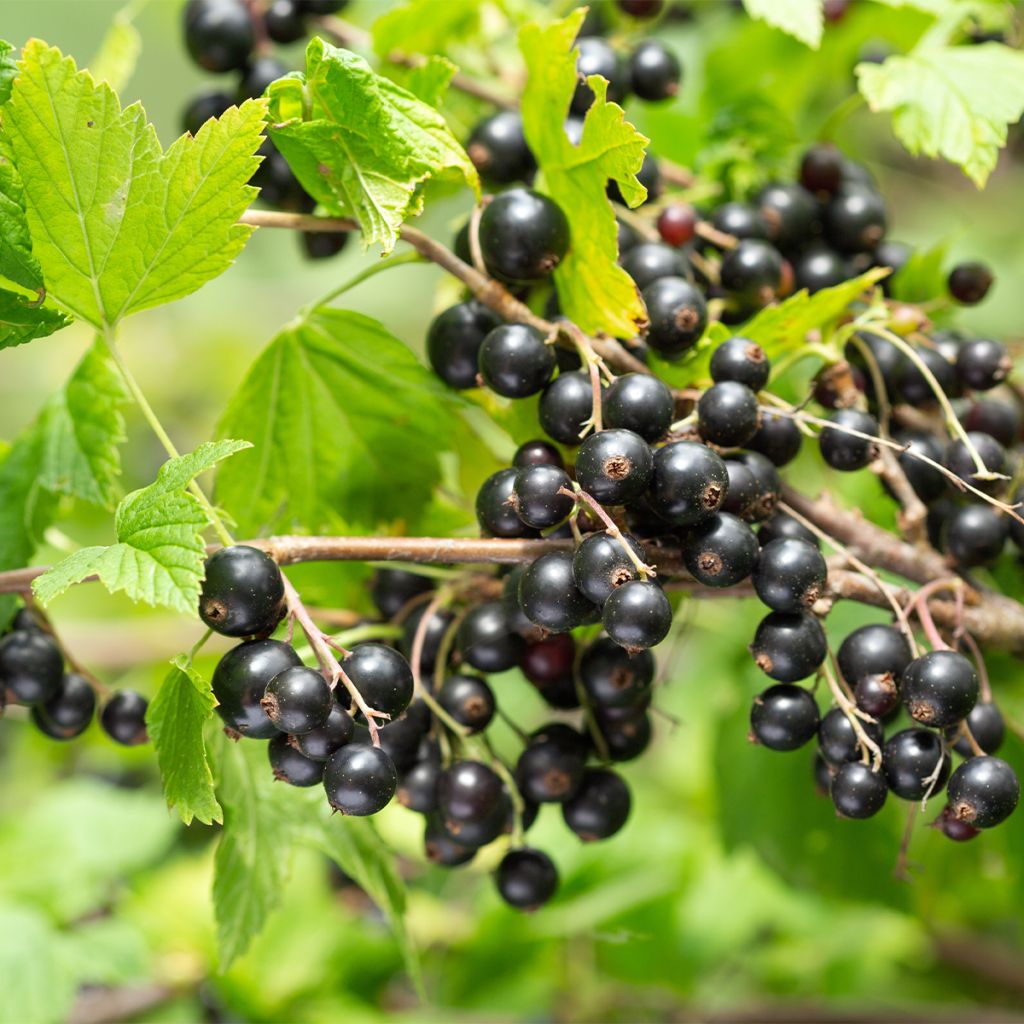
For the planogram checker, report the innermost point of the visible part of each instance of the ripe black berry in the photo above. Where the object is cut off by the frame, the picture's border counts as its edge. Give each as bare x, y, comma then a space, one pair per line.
961, 462
418, 788
360, 779
537, 453
612, 678
243, 593
855, 220
637, 615
983, 792
468, 790
441, 849
486, 641
625, 738
969, 282
259, 74
999, 419
469, 700
69, 711
284, 21
454, 339
928, 482
498, 149
599, 807
767, 484
721, 551
784, 717
678, 315
526, 878
123, 718
523, 235
596, 57
539, 501
677, 224
975, 535
647, 262
873, 650
740, 360
219, 34
741, 498
819, 267
298, 700
601, 563
782, 526
689, 483
728, 414
790, 575
981, 364
915, 387
496, 506
319, 744
322, 245
382, 676
741, 220
910, 759
641, 403
777, 438
790, 212
550, 769
858, 791
437, 627
392, 589
843, 451
789, 646
240, 681
31, 666
401, 738
202, 107
566, 405
752, 272
549, 595
837, 739
515, 361
289, 765
987, 727
821, 169
654, 71
939, 688
614, 466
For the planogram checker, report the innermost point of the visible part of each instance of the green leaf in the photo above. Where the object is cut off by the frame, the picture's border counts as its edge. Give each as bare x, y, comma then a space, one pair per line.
954, 102
346, 424
251, 862
921, 278
425, 26
175, 721
160, 551
803, 19
118, 54
8, 70
594, 291
81, 428
36, 987
783, 328
430, 80
360, 144
17, 263
117, 224
22, 320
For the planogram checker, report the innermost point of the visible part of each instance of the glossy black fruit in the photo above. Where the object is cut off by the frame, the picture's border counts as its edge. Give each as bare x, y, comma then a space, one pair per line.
987, 727
976, 535
601, 563
486, 639
784, 717
741, 220
637, 615
678, 315
777, 438
291, 766
789, 211
540, 501
596, 57
614, 466
523, 235
858, 791
599, 807
612, 678
468, 791
402, 737
999, 419
69, 711
721, 551
441, 849
526, 878
537, 453
752, 272
915, 763
258, 76
454, 339
318, 744
322, 245
969, 282
549, 595
960, 461
360, 779
742, 361
382, 676
219, 34
837, 738
821, 169
31, 666
515, 361
689, 483
789, 646
496, 506
928, 482
983, 792
939, 688
123, 718
550, 770
790, 575
243, 592
819, 267
469, 700
298, 700
498, 148
915, 388
566, 406
285, 21
654, 71
855, 220
240, 681
417, 789
845, 451
392, 589
202, 107
873, 650
641, 403
981, 364
782, 526
728, 414
625, 738
647, 262
767, 484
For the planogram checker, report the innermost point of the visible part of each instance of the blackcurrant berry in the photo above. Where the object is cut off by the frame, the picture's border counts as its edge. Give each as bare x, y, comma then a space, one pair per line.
601, 563
515, 361
823, 775
537, 453
858, 791
960, 461
987, 728
625, 738
614, 466
742, 497
677, 224
240, 681
417, 789
550, 770
721, 551
654, 71
69, 711
742, 361
916, 763
401, 738
284, 21
258, 76
790, 213
639, 402
752, 273
855, 220
31, 666
783, 717
381, 675
322, 245
1000, 420
360, 779
202, 107
540, 501
637, 615
298, 700
678, 315
837, 738
821, 169
243, 592
819, 267
939, 688
647, 262
728, 414
219, 34
767, 484
454, 339
486, 640
777, 438
741, 220
782, 526
324, 6
566, 406
981, 364
496, 506
526, 878
600, 806
289, 765
975, 535
319, 744
844, 451
468, 791
612, 678
548, 665
789, 646
549, 595
469, 700
983, 792
392, 589
928, 483
873, 651
123, 718
498, 148
523, 235
790, 575
969, 282
596, 57
441, 849
915, 388
689, 483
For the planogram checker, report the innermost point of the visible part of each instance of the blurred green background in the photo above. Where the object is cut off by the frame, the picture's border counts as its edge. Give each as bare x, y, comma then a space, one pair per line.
734, 890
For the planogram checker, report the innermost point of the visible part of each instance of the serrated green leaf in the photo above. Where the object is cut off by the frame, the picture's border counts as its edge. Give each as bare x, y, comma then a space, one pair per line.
346, 423
119, 51
160, 551
430, 80
922, 277
425, 26
117, 224
954, 102
360, 144
22, 321
783, 328
175, 721
251, 862
593, 290
802, 19
81, 430
17, 264
8, 70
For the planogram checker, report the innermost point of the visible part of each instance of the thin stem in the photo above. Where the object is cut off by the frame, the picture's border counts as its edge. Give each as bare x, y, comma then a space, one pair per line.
368, 631
611, 526
395, 260
869, 748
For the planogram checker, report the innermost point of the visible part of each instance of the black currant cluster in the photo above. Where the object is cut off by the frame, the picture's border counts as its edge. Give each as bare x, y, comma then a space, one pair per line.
236, 37
62, 703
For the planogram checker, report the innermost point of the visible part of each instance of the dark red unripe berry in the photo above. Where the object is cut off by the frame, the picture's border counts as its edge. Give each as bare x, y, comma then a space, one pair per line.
677, 224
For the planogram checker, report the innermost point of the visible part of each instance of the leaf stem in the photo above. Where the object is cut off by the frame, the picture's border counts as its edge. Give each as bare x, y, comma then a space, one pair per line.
411, 256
